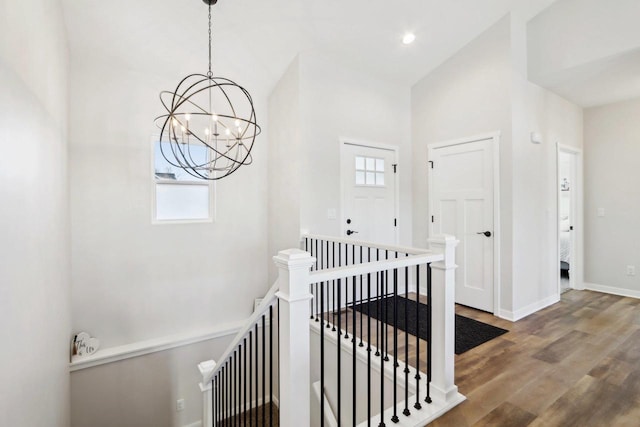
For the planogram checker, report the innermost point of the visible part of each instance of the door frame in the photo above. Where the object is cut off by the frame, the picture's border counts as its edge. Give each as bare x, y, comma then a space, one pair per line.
494, 137
344, 141
576, 239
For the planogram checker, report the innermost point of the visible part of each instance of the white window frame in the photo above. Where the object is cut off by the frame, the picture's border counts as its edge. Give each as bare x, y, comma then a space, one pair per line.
155, 182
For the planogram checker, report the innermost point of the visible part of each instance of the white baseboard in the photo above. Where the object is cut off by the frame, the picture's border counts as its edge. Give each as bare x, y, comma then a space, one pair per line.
196, 424
523, 312
623, 292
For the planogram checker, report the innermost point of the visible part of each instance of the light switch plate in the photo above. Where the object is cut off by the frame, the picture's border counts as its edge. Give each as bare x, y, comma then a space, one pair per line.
332, 213
600, 212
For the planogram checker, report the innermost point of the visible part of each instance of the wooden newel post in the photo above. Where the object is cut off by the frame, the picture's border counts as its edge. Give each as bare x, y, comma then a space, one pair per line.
443, 312
295, 365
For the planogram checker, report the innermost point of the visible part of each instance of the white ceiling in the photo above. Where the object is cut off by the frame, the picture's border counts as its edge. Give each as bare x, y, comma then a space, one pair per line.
255, 40
587, 51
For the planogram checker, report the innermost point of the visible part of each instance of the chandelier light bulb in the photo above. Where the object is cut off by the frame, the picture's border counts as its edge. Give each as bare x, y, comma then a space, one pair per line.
206, 131
408, 38
214, 117
187, 117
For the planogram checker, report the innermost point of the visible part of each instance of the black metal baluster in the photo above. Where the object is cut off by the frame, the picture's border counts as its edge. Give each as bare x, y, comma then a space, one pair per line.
378, 275
354, 341
361, 308
244, 388
228, 398
369, 347
346, 295
339, 351
250, 378
417, 405
257, 358
264, 369
333, 288
327, 315
234, 374
221, 405
214, 394
430, 323
385, 329
406, 411
382, 424
395, 418
306, 248
278, 334
271, 365
322, 361
316, 284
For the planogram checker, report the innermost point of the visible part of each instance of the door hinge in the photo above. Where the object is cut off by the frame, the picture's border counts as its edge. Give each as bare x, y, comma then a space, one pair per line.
432, 218
431, 163
395, 222
394, 167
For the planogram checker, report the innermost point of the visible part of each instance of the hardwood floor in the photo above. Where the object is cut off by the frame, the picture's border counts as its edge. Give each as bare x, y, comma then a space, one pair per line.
576, 363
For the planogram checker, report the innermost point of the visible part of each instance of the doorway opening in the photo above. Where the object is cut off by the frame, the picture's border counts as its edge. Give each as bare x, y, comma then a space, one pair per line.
568, 214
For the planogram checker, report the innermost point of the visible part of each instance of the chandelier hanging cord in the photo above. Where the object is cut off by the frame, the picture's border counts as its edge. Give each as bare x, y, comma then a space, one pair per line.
210, 73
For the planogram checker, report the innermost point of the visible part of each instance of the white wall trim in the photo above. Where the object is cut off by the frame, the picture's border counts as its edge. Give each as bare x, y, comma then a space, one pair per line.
196, 424
141, 348
623, 292
523, 312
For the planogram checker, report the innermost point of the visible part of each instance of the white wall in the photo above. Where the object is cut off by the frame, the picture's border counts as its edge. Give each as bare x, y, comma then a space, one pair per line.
143, 391
484, 88
467, 95
285, 164
133, 280
612, 149
34, 221
338, 100
318, 101
535, 193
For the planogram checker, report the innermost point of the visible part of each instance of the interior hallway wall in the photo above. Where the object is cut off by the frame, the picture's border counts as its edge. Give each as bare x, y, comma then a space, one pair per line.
133, 280
34, 216
612, 149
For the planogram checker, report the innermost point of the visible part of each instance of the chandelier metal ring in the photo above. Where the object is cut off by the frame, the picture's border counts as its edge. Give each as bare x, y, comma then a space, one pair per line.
207, 112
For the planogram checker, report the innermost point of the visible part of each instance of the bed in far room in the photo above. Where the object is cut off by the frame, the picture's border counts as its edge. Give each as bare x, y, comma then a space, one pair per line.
565, 246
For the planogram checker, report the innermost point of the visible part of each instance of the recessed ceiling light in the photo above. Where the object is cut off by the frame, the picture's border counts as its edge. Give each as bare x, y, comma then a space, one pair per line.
408, 38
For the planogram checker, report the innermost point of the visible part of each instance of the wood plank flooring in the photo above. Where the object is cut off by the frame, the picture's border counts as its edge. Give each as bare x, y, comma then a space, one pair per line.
576, 363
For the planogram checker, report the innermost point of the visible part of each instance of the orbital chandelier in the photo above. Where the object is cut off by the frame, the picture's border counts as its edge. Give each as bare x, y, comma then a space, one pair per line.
207, 112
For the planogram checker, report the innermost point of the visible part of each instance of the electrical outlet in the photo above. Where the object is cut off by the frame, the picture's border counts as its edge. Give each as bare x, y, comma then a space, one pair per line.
631, 270
180, 405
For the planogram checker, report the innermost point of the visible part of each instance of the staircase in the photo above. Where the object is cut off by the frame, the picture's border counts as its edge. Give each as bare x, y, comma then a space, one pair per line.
321, 349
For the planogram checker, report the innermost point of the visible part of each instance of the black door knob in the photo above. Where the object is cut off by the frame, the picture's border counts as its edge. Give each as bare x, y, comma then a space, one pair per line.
348, 220
350, 232
486, 233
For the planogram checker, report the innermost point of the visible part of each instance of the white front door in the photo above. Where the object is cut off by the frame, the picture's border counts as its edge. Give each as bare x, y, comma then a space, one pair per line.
461, 204
369, 193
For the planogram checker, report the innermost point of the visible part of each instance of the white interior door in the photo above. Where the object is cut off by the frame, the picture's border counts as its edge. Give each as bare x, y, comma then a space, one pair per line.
462, 205
369, 193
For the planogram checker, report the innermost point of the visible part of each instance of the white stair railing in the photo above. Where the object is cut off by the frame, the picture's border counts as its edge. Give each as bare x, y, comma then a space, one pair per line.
299, 271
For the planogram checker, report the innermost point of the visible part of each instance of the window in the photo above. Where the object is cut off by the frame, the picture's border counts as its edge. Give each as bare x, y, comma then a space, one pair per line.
369, 171
179, 196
